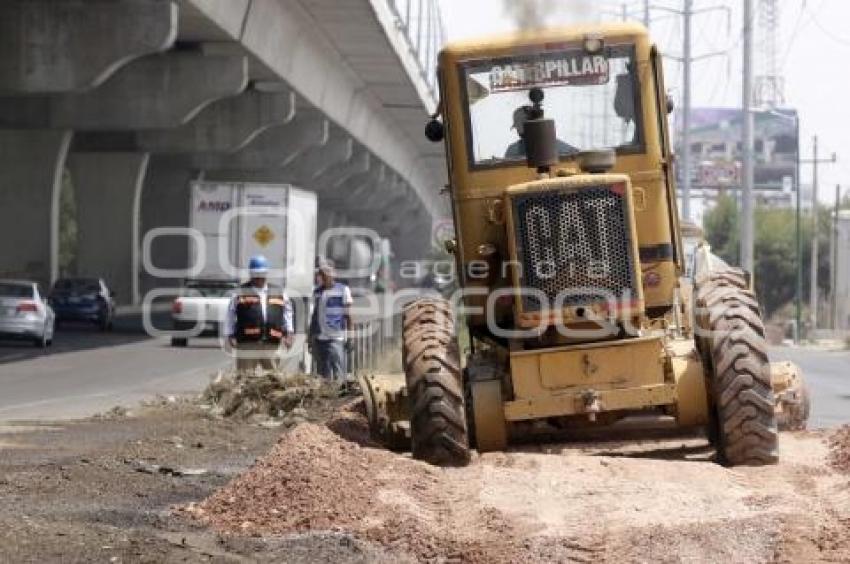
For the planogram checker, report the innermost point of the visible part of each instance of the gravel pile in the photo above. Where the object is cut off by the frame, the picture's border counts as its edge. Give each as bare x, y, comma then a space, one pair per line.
839, 444
311, 480
593, 502
276, 396
316, 480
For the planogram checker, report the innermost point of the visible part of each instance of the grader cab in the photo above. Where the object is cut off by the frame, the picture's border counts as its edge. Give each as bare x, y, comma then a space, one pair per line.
569, 256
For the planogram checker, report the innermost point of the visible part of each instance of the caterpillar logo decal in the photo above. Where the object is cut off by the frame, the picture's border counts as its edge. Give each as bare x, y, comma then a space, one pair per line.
557, 69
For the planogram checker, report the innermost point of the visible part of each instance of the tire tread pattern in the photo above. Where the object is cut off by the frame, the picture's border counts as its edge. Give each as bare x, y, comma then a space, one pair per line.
432, 368
740, 370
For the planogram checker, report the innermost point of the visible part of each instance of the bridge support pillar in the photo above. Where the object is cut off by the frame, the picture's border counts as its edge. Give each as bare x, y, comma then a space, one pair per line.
302, 172
156, 92
225, 126
31, 168
108, 188
410, 234
274, 148
307, 168
53, 47
329, 184
413, 240
165, 202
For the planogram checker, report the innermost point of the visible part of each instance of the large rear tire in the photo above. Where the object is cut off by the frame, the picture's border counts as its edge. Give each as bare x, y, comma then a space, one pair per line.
744, 421
434, 383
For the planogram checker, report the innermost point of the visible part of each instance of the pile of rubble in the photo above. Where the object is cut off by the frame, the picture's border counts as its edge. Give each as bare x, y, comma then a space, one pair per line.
839, 443
311, 480
270, 398
314, 479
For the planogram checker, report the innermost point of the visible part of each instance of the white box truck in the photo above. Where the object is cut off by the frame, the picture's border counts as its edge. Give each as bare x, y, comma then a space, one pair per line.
232, 222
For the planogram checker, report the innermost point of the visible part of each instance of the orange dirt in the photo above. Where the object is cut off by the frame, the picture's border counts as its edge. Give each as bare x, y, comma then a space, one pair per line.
659, 500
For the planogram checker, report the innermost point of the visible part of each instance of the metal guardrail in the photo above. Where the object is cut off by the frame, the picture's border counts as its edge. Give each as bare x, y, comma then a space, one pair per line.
423, 27
372, 342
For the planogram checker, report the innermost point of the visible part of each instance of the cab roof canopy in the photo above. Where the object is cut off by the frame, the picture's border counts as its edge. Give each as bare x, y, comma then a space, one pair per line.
533, 39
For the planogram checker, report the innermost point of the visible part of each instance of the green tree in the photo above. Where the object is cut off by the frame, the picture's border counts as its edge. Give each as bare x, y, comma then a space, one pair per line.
67, 226
775, 258
775, 251
721, 228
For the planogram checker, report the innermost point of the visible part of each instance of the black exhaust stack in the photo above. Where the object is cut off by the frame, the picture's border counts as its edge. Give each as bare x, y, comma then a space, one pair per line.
541, 142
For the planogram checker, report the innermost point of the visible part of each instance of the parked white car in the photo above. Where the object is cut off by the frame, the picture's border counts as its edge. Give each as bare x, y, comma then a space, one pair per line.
25, 314
201, 309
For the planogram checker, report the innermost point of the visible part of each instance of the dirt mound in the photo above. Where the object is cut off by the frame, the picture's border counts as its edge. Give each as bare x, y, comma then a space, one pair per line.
586, 502
350, 423
270, 395
314, 480
839, 444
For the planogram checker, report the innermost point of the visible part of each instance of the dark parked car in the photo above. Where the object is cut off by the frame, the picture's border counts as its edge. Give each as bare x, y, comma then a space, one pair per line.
83, 299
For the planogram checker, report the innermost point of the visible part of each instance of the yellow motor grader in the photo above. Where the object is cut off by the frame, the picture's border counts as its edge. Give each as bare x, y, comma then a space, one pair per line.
569, 255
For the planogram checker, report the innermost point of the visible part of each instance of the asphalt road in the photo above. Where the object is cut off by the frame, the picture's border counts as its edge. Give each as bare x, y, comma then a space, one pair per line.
828, 376
87, 372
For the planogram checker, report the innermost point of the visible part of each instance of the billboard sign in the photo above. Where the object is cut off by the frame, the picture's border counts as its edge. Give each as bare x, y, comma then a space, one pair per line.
716, 148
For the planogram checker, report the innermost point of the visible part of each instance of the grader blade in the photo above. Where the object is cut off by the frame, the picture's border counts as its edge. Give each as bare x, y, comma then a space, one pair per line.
793, 403
387, 409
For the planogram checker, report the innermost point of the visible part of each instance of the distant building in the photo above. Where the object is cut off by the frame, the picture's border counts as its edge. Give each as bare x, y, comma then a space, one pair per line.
716, 153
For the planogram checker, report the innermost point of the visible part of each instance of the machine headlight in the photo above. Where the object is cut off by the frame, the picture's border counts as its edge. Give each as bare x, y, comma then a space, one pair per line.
593, 44
487, 249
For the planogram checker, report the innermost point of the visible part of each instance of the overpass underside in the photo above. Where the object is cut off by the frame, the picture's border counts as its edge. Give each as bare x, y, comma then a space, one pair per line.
127, 101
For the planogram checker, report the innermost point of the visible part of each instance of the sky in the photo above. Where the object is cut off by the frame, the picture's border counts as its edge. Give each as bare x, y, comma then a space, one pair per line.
813, 54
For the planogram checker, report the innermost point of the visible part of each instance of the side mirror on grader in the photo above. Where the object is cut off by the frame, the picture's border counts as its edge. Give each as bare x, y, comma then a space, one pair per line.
579, 318
434, 131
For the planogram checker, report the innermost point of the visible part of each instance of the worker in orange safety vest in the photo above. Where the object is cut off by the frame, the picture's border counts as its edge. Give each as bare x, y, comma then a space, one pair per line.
259, 321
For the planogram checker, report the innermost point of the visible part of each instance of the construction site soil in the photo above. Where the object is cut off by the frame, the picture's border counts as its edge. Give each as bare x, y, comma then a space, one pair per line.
171, 483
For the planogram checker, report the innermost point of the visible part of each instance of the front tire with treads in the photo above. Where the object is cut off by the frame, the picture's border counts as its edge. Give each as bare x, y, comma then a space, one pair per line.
745, 430
435, 384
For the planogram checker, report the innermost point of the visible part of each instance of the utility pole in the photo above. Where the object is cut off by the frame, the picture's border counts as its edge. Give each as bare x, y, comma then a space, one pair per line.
813, 274
687, 59
833, 261
798, 294
687, 13
814, 161
747, 227
646, 17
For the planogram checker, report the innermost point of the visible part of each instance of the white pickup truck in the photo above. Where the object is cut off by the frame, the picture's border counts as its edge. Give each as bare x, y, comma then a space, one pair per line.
201, 309
233, 222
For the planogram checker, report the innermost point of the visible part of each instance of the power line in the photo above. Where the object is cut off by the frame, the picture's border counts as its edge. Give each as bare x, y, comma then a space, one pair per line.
687, 58
805, 10
837, 38
712, 76
705, 39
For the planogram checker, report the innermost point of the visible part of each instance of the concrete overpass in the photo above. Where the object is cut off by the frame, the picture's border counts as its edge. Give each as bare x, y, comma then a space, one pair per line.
128, 100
